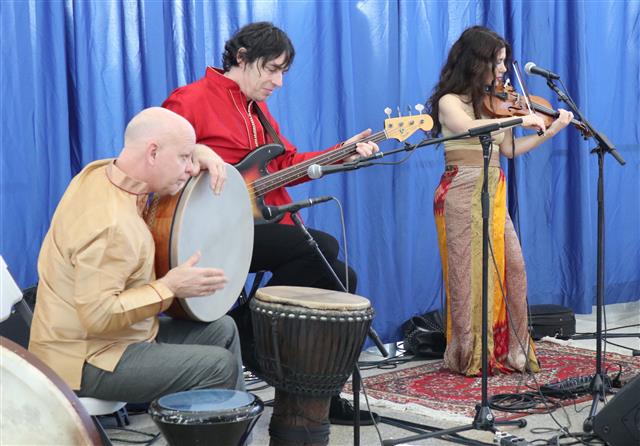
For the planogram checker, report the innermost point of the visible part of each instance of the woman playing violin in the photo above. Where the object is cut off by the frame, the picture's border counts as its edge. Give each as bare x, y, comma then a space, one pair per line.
478, 59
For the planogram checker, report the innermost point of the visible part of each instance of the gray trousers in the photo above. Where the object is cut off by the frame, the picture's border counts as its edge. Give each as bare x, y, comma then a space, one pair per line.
186, 355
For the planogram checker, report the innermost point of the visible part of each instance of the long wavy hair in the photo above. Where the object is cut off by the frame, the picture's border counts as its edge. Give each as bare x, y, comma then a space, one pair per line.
471, 60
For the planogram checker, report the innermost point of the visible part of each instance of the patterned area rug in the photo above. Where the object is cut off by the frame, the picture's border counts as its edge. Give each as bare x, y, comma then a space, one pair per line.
432, 390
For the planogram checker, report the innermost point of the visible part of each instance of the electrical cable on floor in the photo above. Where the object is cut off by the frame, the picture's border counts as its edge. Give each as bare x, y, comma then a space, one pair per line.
547, 404
610, 329
150, 438
570, 438
386, 363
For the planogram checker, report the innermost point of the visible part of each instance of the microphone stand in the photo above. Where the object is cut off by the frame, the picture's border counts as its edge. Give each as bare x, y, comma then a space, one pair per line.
477, 131
357, 379
603, 146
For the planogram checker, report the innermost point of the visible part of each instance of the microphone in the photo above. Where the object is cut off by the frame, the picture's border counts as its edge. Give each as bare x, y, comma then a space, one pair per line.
269, 212
316, 171
531, 68
484, 129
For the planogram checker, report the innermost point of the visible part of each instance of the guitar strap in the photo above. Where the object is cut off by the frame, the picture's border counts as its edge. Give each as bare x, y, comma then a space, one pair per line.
267, 125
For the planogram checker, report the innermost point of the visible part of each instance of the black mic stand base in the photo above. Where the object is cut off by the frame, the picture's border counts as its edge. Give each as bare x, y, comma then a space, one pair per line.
483, 421
599, 389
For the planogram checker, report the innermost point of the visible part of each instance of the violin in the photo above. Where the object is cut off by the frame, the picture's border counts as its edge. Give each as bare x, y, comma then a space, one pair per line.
504, 102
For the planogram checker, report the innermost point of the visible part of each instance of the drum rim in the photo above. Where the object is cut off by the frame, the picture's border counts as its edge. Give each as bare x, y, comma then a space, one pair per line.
361, 304
176, 417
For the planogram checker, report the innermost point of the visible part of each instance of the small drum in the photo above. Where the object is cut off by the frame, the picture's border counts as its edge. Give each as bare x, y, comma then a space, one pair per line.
37, 407
219, 226
307, 342
207, 416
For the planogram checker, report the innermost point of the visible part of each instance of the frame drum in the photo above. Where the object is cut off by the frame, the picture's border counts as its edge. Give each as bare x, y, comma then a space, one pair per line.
219, 226
38, 408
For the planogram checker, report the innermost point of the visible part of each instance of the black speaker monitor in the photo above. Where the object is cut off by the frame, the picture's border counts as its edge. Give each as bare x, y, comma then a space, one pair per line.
618, 423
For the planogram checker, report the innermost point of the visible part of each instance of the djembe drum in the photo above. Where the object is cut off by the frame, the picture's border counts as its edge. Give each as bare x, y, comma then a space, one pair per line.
207, 416
307, 342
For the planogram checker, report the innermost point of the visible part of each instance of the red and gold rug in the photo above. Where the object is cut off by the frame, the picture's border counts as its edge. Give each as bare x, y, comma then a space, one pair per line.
430, 389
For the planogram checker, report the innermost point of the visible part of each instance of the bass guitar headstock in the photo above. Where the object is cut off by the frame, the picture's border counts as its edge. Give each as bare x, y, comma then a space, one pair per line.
402, 127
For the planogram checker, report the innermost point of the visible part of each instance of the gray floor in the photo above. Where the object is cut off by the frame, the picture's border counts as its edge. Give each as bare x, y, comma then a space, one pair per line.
570, 418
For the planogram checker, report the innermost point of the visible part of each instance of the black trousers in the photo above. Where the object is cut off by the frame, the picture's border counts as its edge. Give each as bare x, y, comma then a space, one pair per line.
284, 251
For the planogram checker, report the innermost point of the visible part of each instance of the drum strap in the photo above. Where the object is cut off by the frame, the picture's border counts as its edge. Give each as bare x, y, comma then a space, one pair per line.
281, 433
149, 214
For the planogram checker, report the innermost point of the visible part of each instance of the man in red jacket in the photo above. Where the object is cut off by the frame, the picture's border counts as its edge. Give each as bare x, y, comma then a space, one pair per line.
223, 109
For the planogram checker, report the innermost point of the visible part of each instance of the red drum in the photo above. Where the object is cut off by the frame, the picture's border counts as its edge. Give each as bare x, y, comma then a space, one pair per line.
219, 226
307, 342
38, 408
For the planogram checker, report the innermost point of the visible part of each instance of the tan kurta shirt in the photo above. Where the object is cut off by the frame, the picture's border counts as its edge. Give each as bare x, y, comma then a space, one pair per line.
97, 292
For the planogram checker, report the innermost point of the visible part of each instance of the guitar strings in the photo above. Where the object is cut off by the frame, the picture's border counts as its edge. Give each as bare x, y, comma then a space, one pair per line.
263, 185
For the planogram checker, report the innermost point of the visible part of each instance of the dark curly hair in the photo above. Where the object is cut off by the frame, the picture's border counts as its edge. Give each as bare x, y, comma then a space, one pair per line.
259, 40
471, 59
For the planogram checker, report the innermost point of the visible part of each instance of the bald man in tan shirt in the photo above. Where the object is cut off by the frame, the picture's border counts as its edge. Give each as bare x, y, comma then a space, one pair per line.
96, 317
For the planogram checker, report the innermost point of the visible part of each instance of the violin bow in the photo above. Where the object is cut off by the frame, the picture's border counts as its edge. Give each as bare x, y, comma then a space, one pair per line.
523, 88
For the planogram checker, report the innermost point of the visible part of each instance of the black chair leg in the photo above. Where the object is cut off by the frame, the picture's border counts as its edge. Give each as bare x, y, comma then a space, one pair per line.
122, 417
106, 441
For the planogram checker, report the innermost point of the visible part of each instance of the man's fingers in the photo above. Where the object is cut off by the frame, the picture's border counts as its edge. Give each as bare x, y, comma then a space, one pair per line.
364, 133
218, 176
193, 260
221, 179
196, 169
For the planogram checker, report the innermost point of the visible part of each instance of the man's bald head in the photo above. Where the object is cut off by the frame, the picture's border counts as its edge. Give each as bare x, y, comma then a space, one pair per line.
155, 123
158, 149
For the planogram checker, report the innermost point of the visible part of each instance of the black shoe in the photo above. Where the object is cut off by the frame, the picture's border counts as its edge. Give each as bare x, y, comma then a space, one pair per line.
341, 412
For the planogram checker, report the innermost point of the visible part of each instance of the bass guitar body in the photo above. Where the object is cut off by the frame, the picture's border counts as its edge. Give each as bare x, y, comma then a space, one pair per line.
254, 167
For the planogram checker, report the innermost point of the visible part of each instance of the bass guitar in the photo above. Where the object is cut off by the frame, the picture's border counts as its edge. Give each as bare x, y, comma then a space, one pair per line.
259, 181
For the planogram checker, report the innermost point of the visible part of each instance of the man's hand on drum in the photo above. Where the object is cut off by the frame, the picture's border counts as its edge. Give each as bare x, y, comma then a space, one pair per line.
364, 149
188, 280
207, 159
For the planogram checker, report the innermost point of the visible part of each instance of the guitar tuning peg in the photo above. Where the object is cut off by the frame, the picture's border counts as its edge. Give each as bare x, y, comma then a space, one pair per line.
399, 113
409, 109
420, 108
387, 111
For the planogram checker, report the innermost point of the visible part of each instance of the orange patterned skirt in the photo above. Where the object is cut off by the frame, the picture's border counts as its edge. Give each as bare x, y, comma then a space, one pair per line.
458, 217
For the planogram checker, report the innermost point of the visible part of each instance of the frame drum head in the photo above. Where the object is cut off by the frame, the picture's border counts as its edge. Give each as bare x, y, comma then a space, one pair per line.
314, 298
221, 228
38, 408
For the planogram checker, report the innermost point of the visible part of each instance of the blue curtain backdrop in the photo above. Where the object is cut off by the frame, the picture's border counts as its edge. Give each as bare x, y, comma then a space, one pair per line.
74, 72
